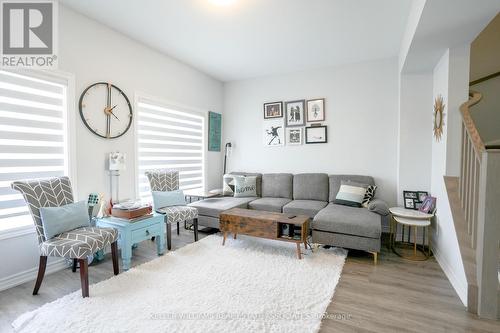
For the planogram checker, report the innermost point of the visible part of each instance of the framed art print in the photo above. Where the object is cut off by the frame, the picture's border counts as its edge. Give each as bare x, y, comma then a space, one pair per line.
273, 133
273, 110
293, 136
294, 112
214, 131
316, 110
316, 134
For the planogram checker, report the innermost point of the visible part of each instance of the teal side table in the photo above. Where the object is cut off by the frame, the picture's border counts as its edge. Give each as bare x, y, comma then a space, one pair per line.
130, 233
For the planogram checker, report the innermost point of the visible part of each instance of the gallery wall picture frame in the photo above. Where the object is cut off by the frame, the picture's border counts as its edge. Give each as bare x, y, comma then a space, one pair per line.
214, 131
273, 133
294, 113
316, 134
294, 136
273, 110
315, 110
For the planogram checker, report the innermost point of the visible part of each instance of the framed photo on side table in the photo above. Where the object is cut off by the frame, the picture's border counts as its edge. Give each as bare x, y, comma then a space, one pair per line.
316, 110
273, 110
316, 134
294, 113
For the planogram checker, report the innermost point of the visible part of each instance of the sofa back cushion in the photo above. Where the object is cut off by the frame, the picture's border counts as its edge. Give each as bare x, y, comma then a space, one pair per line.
259, 179
310, 186
336, 180
277, 185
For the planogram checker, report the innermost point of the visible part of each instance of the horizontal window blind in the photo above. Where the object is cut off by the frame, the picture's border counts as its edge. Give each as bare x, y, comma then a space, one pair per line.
32, 138
169, 138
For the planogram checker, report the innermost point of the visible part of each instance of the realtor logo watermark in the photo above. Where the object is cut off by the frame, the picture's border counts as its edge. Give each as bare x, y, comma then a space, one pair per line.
29, 34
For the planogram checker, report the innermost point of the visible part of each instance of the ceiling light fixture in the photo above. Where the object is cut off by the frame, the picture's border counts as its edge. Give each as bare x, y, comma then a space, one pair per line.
222, 2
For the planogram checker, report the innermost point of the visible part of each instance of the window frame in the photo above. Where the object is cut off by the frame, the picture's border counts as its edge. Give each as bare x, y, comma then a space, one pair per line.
69, 122
138, 96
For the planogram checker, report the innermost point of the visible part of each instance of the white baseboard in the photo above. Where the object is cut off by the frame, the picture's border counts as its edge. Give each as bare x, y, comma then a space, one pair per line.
31, 274
459, 286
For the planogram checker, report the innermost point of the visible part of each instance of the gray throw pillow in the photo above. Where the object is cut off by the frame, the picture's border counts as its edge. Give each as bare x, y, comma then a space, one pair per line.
351, 194
245, 186
56, 220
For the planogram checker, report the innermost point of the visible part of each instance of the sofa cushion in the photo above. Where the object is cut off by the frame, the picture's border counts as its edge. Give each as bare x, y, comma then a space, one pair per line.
310, 186
259, 179
304, 207
214, 206
269, 204
351, 194
336, 180
277, 185
348, 220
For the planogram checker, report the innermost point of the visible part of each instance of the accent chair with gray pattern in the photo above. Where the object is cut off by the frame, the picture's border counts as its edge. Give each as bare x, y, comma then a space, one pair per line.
168, 180
76, 244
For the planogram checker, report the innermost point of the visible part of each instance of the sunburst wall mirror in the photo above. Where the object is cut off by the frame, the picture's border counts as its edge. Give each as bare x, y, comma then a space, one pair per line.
438, 117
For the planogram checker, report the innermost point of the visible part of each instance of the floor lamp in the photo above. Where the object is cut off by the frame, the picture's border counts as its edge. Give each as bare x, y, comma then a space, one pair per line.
227, 151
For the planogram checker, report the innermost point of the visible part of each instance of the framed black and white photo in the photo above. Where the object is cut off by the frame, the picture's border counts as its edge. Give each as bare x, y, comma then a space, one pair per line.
414, 199
294, 136
294, 113
273, 110
316, 110
274, 133
409, 203
316, 134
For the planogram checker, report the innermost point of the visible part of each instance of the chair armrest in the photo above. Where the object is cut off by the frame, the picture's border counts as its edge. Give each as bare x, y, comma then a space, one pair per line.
378, 206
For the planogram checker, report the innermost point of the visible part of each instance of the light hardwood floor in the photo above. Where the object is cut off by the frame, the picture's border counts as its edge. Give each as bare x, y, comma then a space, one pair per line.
394, 296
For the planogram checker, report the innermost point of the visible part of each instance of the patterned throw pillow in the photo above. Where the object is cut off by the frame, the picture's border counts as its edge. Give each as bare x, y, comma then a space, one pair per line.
370, 193
351, 194
228, 185
245, 186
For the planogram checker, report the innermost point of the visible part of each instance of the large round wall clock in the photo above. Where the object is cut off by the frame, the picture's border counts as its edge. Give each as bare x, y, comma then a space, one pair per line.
105, 110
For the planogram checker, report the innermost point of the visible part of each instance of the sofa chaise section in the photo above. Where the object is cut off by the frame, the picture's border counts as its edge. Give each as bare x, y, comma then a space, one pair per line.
277, 191
345, 226
209, 209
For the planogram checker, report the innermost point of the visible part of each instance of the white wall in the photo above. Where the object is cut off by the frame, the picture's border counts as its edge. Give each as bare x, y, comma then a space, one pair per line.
445, 243
486, 114
415, 134
361, 115
92, 52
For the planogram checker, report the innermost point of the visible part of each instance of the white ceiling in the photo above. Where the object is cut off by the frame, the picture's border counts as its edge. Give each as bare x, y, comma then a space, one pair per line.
251, 38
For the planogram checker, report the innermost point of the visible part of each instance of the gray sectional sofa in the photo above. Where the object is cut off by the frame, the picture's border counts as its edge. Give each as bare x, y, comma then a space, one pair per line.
310, 194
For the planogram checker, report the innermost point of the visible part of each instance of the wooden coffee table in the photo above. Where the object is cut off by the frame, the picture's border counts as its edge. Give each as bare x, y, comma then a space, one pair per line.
265, 225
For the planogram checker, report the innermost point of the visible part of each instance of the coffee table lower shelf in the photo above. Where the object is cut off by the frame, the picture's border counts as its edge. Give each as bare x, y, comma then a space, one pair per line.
268, 225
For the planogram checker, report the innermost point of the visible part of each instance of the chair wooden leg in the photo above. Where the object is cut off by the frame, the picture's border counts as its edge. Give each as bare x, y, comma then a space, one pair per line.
73, 268
178, 228
41, 273
169, 236
84, 276
114, 255
195, 225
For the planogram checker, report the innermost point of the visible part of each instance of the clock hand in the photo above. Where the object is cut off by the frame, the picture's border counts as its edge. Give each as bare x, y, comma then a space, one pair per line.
114, 115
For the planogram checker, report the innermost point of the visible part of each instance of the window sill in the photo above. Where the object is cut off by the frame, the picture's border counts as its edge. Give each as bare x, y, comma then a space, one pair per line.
17, 231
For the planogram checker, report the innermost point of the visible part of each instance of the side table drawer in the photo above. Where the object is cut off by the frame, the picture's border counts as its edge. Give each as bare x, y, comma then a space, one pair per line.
145, 233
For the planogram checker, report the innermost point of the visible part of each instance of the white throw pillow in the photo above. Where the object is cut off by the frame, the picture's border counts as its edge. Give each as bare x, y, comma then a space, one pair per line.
245, 186
228, 185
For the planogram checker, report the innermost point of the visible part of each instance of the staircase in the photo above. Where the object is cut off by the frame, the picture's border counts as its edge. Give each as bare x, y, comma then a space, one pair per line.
474, 199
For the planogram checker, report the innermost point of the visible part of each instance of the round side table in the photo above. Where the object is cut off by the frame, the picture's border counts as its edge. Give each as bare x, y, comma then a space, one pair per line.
410, 218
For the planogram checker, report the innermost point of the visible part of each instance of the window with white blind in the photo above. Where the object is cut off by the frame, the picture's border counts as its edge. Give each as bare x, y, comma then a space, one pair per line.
171, 138
33, 138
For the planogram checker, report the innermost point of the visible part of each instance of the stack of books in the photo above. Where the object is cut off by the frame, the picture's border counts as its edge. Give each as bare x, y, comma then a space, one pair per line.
131, 211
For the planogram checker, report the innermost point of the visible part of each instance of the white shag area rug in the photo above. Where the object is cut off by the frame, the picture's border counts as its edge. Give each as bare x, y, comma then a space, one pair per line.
248, 285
